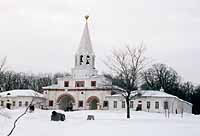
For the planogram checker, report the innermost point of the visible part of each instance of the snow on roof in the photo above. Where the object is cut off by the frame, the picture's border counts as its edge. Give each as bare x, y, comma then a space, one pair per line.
21, 92
56, 86
153, 93
150, 93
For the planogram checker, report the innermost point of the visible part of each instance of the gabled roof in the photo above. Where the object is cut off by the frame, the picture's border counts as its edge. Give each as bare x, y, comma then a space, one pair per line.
85, 46
21, 92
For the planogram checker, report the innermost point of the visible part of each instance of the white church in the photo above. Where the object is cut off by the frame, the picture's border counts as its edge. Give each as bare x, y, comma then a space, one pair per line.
85, 89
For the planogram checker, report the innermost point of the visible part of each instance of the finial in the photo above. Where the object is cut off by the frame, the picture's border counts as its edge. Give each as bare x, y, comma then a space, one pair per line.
161, 89
86, 17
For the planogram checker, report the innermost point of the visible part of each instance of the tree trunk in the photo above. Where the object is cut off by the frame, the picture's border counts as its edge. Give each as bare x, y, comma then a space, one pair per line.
128, 108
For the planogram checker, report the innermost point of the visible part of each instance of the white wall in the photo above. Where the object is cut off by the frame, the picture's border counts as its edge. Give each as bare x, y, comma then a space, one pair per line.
53, 94
174, 104
100, 82
24, 99
78, 96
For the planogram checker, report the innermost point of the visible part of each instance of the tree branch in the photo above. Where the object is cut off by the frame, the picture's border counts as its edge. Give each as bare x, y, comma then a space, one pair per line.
15, 122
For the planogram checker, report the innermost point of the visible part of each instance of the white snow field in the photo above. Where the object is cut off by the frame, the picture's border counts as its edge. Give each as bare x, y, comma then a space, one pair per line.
106, 123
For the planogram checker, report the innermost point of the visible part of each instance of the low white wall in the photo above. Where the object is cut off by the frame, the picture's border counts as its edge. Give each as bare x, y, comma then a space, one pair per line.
39, 102
175, 104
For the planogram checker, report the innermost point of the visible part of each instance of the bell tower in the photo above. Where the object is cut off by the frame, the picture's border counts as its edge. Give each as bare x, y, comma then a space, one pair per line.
85, 57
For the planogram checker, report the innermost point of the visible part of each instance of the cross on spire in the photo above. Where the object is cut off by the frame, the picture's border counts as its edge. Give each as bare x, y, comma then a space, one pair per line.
86, 17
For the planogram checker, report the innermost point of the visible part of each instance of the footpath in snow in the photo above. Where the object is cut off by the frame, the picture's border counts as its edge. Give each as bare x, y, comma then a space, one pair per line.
106, 123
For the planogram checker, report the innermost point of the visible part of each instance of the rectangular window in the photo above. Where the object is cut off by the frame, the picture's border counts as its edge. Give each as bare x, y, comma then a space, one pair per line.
80, 104
166, 105
20, 103
115, 104
123, 104
105, 103
2, 103
131, 104
26, 103
51, 103
66, 83
148, 104
79, 84
93, 83
13, 103
156, 105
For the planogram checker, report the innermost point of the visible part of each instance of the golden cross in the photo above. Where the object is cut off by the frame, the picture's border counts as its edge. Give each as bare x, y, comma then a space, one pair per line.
86, 17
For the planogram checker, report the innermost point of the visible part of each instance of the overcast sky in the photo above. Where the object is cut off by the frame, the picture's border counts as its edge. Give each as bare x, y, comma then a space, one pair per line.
43, 35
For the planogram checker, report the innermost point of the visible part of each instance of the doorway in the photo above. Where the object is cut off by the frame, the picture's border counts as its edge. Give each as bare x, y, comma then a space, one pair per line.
66, 102
93, 102
8, 106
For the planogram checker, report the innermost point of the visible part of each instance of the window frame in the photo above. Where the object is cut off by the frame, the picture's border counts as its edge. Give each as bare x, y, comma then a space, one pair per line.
66, 83
13, 103
105, 104
81, 59
79, 83
166, 105
157, 105
148, 104
115, 104
2, 103
26, 103
80, 104
20, 103
87, 60
51, 102
123, 105
93, 83
131, 104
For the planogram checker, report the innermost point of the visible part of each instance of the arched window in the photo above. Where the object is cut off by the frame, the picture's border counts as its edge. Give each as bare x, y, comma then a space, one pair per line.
88, 59
81, 59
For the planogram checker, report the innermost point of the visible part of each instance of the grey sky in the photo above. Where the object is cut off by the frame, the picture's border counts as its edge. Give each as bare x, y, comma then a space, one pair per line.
43, 35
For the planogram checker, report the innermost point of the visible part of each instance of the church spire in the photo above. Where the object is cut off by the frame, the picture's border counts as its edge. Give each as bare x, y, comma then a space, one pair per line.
84, 57
85, 46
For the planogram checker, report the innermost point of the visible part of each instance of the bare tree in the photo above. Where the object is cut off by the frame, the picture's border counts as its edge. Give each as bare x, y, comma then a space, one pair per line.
160, 75
21, 115
2, 64
126, 66
2, 68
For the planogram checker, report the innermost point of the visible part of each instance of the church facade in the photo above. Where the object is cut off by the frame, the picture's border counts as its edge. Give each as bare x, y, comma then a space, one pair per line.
84, 88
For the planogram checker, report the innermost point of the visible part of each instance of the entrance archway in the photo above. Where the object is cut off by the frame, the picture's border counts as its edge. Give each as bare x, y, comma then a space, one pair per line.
65, 102
93, 102
8, 106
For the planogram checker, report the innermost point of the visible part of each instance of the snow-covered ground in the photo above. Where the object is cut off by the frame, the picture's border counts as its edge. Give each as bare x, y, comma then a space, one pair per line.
106, 123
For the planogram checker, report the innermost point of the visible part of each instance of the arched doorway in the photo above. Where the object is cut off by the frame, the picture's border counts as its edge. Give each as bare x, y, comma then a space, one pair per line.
65, 102
8, 106
93, 102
